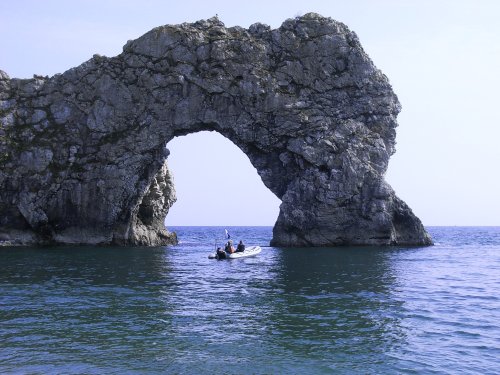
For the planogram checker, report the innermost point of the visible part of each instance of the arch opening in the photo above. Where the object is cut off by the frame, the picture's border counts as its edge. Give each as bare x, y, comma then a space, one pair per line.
216, 184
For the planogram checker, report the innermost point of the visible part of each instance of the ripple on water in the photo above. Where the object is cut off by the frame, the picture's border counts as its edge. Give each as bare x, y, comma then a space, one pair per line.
172, 310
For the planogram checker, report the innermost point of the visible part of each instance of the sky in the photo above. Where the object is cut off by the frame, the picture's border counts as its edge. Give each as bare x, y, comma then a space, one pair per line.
442, 59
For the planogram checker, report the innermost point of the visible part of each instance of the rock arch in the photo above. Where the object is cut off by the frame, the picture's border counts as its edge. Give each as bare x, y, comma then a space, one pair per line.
83, 152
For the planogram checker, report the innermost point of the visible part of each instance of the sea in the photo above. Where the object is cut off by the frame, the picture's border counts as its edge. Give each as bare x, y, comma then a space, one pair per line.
171, 310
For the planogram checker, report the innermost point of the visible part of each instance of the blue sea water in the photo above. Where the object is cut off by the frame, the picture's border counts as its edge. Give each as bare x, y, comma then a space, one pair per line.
171, 310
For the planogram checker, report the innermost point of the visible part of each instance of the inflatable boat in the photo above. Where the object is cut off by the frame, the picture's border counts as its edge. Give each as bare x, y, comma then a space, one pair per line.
249, 252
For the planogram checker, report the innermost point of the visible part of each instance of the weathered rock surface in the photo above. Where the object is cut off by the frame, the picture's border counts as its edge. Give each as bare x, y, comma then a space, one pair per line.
83, 156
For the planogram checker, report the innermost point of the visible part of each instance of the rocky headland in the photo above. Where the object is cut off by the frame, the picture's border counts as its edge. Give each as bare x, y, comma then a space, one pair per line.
83, 157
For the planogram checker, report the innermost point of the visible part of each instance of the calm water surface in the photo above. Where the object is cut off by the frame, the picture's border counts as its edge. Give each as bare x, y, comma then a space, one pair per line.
295, 311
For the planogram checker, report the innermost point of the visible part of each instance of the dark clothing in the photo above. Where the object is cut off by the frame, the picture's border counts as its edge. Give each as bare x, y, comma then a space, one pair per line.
240, 248
221, 254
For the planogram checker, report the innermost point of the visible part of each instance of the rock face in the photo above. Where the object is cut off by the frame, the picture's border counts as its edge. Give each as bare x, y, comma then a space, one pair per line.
83, 157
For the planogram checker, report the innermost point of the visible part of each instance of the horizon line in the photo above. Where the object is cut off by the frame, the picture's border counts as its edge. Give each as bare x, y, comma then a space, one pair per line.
247, 225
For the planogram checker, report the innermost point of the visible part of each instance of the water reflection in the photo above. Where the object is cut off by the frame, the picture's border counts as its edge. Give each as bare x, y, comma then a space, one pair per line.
316, 307
69, 307
172, 310
336, 301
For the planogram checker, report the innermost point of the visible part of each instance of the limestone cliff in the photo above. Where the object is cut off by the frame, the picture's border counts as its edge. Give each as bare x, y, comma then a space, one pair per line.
83, 156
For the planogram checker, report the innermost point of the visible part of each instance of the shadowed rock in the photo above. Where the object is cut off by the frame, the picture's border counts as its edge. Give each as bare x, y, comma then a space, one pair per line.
83, 153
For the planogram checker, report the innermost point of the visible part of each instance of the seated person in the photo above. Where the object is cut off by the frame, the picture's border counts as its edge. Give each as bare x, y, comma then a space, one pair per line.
241, 247
229, 247
221, 254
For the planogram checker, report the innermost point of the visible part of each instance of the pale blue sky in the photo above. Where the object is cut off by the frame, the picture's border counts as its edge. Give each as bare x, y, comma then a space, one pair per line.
442, 58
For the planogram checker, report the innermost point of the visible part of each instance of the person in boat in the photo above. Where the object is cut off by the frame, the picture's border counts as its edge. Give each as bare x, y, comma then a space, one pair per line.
241, 247
229, 247
221, 254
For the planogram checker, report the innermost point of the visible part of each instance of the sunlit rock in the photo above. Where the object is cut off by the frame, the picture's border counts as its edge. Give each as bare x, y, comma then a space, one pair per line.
83, 156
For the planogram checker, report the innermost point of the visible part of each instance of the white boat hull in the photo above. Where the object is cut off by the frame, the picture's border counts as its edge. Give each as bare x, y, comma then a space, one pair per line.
249, 252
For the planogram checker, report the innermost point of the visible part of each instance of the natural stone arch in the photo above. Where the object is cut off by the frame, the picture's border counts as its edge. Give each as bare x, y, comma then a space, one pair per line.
84, 157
